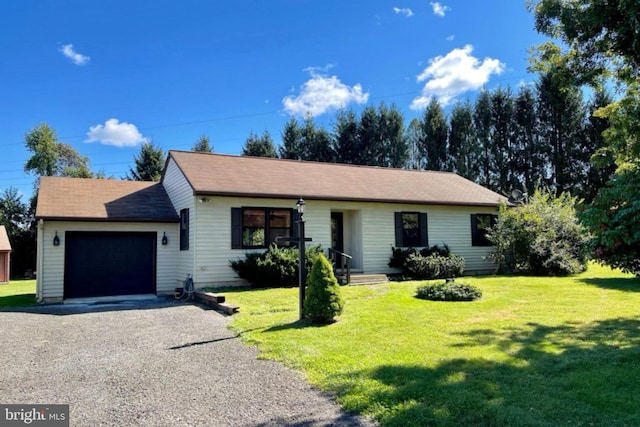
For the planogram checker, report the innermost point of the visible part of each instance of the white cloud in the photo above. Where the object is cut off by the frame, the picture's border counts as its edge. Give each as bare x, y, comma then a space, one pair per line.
75, 57
322, 93
439, 9
405, 11
112, 132
453, 74
451, 37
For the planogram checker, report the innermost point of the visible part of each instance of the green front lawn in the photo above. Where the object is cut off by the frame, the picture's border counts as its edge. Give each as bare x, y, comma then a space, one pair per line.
18, 293
534, 351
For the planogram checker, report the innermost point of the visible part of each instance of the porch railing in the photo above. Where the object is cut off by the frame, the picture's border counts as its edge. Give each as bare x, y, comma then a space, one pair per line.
342, 268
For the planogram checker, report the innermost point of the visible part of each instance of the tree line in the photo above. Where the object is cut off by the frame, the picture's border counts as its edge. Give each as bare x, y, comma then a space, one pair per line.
541, 136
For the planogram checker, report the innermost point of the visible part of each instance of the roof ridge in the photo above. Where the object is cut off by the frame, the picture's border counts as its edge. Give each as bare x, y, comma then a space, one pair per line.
315, 162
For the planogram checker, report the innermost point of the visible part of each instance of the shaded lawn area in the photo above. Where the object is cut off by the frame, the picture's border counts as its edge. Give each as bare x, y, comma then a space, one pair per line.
534, 351
18, 293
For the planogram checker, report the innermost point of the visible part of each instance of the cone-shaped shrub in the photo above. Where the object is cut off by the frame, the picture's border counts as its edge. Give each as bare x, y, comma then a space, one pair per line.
323, 301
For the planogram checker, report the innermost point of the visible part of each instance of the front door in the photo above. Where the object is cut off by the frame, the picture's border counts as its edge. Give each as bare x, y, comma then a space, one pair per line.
337, 235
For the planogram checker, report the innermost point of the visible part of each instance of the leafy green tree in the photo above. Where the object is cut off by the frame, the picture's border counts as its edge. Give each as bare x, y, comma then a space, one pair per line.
463, 149
613, 221
414, 136
149, 164
435, 132
315, 143
13, 213
502, 151
528, 160
561, 114
482, 125
202, 145
50, 157
346, 139
540, 237
599, 41
259, 146
42, 142
371, 147
18, 219
291, 141
599, 159
323, 300
394, 143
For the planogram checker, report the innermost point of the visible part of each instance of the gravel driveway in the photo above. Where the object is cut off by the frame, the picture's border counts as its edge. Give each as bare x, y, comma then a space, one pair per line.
156, 363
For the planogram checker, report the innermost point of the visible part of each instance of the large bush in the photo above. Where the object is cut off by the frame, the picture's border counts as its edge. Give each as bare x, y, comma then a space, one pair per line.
274, 267
541, 237
435, 262
323, 301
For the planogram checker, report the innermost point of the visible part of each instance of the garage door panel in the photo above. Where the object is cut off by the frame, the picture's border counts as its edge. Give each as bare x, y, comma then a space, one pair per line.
109, 263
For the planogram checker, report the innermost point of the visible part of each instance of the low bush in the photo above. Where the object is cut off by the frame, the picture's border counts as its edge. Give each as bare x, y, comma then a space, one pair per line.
323, 300
435, 262
399, 255
435, 266
449, 291
275, 267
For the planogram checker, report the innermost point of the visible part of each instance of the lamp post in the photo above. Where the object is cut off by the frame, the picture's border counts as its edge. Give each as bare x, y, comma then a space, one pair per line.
302, 265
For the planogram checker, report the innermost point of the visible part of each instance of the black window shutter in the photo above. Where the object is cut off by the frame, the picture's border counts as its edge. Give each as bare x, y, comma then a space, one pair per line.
398, 219
236, 228
474, 230
424, 229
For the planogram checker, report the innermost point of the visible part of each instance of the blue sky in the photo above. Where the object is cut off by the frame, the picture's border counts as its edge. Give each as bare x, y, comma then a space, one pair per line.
108, 76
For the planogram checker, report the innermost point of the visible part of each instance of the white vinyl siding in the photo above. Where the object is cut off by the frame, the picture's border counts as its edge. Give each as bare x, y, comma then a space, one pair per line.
369, 233
181, 195
52, 272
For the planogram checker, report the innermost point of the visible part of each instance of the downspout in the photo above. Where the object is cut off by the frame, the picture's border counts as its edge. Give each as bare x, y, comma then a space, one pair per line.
40, 260
195, 240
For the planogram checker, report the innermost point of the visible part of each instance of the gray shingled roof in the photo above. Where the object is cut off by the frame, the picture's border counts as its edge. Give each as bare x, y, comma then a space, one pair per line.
5, 245
216, 174
103, 200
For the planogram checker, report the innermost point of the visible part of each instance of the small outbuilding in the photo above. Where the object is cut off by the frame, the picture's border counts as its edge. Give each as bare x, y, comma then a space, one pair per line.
5, 255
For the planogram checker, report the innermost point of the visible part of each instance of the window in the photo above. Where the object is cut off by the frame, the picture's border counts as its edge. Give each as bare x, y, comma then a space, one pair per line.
411, 229
259, 227
480, 224
184, 230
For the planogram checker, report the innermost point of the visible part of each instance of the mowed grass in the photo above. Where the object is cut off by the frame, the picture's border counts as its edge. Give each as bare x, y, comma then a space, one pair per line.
534, 351
18, 293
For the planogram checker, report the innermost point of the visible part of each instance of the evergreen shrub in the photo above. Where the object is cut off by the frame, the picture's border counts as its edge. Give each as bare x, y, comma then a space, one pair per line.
323, 300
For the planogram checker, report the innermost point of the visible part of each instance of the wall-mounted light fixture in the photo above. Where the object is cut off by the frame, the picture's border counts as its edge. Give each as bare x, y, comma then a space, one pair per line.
203, 200
165, 240
56, 240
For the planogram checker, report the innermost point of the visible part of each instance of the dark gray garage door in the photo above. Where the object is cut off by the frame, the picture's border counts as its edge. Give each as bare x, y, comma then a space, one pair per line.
109, 263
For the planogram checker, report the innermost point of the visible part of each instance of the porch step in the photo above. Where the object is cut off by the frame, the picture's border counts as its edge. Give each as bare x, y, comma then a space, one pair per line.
368, 279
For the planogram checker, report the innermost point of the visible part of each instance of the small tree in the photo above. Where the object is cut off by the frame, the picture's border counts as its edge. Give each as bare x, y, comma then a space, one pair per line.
148, 164
202, 145
540, 237
323, 301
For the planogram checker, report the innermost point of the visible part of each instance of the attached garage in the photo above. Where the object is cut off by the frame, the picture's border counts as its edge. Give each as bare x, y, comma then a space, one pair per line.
109, 263
104, 238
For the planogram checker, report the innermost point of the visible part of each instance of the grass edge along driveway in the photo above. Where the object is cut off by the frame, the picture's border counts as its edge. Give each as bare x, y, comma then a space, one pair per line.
17, 293
534, 351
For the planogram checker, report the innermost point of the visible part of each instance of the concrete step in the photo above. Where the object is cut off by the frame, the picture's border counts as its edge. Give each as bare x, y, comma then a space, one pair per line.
368, 279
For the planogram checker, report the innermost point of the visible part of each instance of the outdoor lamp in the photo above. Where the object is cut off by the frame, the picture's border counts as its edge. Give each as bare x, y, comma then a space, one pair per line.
56, 240
300, 203
165, 240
